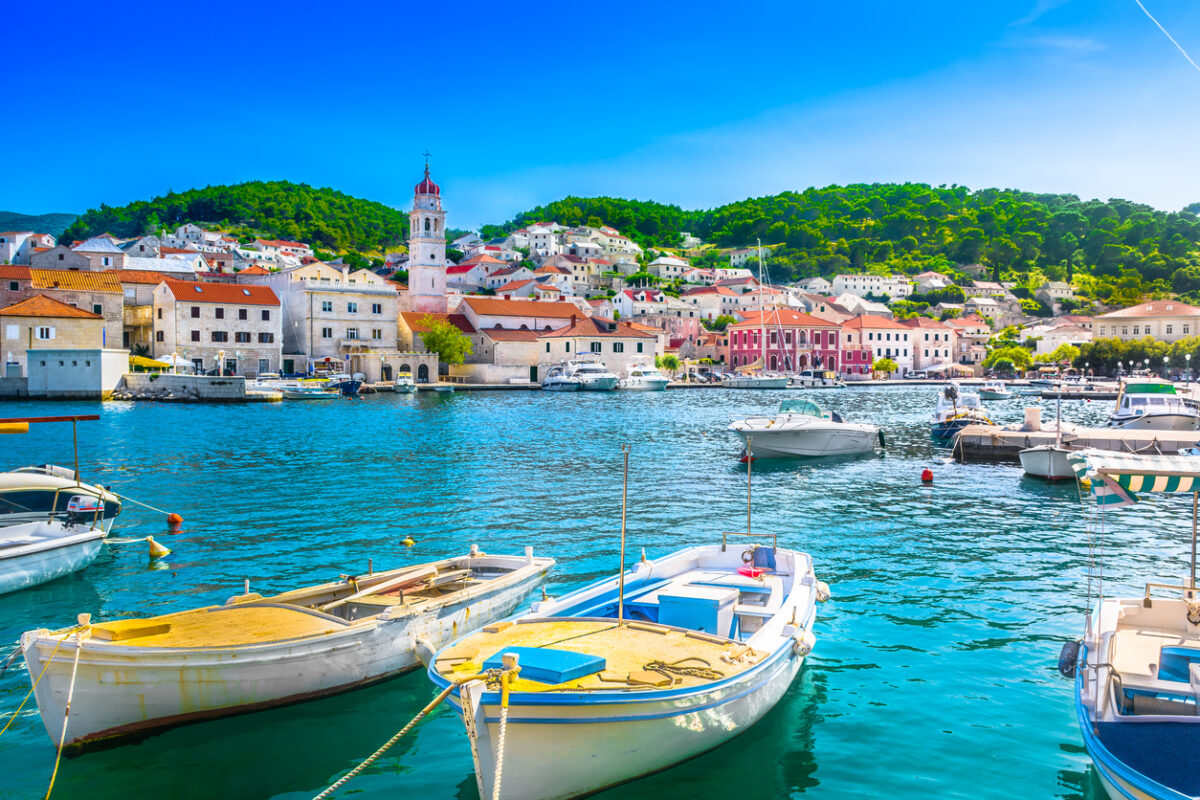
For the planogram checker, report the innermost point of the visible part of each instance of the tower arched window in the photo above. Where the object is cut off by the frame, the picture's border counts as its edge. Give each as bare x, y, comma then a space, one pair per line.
427, 224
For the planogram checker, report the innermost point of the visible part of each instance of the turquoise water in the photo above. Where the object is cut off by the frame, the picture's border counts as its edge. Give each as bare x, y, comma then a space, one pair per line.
934, 672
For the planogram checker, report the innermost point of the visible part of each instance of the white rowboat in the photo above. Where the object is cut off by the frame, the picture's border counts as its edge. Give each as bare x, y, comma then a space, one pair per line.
139, 675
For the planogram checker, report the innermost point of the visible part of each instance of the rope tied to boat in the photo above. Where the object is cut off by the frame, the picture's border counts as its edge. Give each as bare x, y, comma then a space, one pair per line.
83, 627
493, 678
33, 688
675, 670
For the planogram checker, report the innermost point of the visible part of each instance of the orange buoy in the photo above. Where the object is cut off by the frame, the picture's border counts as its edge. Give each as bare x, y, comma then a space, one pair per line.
926, 475
174, 521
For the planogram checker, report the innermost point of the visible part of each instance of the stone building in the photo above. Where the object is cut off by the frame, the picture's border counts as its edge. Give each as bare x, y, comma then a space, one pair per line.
233, 326
43, 323
616, 344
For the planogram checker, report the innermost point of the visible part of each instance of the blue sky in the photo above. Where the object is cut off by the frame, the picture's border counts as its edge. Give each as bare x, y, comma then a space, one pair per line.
696, 104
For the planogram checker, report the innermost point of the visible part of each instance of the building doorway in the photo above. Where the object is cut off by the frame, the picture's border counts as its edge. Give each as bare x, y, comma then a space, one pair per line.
423, 374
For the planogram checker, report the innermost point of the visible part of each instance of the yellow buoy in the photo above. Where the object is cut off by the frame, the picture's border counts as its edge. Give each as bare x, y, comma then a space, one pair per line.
1085, 483
408, 541
156, 549
14, 427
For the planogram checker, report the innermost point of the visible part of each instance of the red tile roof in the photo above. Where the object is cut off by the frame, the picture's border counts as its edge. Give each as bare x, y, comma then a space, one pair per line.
923, 322
282, 243
496, 307
14, 272
231, 293
872, 321
598, 326
1155, 308
141, 276
483, 259
42, 306
512, 286
460, 269
416, 321
255, 269
509, 335
782, 316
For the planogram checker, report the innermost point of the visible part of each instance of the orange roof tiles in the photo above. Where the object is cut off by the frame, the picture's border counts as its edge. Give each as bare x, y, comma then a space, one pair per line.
782, 316
141, 276
231, 293
14, 272
496, 307
598, 326
255, 269
1155, 308
416, 321
42, 306
75, 280
873, 321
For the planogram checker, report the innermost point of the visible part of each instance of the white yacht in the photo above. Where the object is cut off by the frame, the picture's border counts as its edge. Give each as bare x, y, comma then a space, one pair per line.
803, 428
643, 377
956, 410
1151, 404
559, 379
817, 379
754, 381
995, 390
593, 376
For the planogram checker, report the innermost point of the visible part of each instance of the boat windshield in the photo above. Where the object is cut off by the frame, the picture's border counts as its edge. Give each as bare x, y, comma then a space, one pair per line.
800, 405
1149, 388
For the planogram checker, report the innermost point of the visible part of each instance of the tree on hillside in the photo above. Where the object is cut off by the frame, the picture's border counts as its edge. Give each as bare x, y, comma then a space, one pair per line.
451, 345
722, 322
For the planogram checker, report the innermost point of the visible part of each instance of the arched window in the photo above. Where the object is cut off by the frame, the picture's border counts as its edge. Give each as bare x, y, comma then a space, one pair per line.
427, 224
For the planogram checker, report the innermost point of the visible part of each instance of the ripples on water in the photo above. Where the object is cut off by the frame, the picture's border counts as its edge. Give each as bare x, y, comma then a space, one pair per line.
934, 673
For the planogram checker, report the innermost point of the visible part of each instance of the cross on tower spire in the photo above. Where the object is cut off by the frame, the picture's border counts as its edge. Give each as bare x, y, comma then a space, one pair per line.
427, 154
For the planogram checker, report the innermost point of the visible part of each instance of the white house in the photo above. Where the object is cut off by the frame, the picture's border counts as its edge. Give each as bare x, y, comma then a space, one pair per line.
893, 286
208, 322
1166, 320
885, 338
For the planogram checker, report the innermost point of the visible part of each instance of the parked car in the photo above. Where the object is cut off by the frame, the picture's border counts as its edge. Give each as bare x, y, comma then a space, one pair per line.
917, 374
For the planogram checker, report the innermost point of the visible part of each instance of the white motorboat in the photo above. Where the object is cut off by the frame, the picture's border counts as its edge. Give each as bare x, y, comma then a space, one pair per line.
310, 393
802, 428
754, 380
1049, 461
956, 410
635, 673
272, 382
817, 379
1137, 668
994, 390
559, 379
592, 375
255, 652
33, 553
45, 491
404, 383
1151, 404
642, 376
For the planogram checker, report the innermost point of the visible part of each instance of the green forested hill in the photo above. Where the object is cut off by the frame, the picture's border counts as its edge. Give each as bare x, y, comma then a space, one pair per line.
275, 209
912, 227
38, 223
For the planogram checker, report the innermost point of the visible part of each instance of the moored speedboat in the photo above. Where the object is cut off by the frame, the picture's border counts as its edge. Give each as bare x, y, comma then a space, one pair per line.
802, 428
592, 375
345, 384
404, 383
1137, 668
643, 377
817, 379
255, 652
558, 379
754, 380
956, 410
994, 390
1149, 404
617, 681
309, 393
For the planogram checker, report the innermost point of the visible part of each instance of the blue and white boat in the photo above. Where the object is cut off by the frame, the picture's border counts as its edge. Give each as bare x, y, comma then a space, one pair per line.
623, 678
1137, 667
956, 410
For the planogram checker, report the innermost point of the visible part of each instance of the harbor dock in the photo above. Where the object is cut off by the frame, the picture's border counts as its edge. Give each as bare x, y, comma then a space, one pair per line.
993, 443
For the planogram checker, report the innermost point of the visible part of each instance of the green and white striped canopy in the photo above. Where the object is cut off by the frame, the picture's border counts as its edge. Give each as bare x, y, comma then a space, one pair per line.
1117, 478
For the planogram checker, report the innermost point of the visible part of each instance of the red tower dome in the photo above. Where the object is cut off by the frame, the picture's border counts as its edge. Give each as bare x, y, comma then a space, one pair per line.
427, 186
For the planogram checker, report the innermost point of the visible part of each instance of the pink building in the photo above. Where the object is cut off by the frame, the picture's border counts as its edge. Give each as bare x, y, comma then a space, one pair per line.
794, 341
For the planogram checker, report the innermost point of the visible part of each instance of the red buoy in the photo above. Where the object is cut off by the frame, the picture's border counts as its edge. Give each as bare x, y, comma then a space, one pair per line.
174, 521
926, 475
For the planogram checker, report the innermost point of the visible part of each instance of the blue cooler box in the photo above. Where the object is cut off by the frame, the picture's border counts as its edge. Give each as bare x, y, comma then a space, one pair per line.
699, 608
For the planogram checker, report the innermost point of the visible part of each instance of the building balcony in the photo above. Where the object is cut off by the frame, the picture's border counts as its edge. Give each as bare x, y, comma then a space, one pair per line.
138, 316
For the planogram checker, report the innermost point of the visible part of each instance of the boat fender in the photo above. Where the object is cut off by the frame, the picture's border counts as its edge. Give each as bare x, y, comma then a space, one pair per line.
803, 643
156, 549
425, 651
823, 593
748, 555
882, 443
1193, 613
1068, 657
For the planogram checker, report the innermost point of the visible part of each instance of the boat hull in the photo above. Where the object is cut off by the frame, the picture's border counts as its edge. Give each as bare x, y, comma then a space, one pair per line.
1047, 462
404, 388
810, 441
985, 394
643, 386
24, 566
591, 746
122, 691
598, 384
560, 386
948, 429
1156, 422
755, 382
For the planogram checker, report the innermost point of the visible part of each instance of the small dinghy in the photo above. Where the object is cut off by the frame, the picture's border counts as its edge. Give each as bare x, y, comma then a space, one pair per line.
256, 652
635, 673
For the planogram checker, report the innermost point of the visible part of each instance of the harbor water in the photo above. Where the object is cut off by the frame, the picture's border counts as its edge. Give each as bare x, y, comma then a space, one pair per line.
934, 670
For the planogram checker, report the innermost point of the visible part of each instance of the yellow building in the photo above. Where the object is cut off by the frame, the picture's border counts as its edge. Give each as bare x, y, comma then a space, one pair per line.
43, 323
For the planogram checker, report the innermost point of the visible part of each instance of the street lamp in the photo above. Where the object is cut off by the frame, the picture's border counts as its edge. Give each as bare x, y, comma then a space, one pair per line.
1188, 358
1165, 360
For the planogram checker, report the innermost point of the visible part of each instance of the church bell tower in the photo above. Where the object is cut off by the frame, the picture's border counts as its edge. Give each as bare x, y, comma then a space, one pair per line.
427, 248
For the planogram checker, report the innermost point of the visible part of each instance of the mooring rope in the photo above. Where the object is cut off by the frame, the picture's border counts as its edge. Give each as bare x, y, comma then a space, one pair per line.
29, 694
677, 668
62, 739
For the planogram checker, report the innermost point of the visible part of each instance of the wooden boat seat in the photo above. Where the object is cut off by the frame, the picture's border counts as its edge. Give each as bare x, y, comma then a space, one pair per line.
1137, 652
218, 626
754, 611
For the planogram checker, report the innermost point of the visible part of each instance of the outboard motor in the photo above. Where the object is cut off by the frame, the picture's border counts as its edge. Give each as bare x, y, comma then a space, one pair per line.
1068, 658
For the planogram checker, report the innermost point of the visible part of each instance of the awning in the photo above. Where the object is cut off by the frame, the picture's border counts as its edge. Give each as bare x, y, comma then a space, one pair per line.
1117, 478
149, 363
